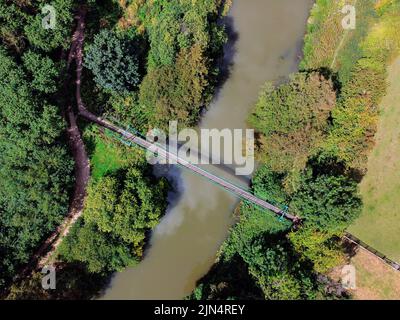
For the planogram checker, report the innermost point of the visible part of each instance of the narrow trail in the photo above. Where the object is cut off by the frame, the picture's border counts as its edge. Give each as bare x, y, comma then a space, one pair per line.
341, 43
78, 151
82, 167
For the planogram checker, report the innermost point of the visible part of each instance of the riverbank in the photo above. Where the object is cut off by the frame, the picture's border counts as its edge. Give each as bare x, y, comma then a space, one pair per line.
184, 246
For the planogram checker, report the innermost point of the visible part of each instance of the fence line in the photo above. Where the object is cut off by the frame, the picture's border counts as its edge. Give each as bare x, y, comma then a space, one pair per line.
393, 264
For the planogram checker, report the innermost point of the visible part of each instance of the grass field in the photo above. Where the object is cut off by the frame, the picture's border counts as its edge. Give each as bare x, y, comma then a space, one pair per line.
106, 158
379, 224
374, 279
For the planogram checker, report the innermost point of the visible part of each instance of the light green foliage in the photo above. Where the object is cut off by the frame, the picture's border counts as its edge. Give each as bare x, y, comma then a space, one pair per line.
176, 93
129, 110
293, 120
253, 222
321, 248
107, 157
361, 60
101, 252
355, 119
126, 207
120, 208
324, 33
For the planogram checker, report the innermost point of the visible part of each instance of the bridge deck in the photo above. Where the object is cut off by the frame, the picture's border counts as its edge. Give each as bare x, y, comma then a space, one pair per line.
168, 155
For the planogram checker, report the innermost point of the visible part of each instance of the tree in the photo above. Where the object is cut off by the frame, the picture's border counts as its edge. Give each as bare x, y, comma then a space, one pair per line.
50, 39
176, 25
35, 168
259, 240
113, 62
120, 209
280, 276
293, 120
176, 93
355, 118
126, 204
42, 70
101, 252
268, 185
327, 203
322, 249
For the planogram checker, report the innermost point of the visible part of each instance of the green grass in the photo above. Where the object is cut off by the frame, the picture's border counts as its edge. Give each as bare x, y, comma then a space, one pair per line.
379, 223
351, 52
109, 156
328, 45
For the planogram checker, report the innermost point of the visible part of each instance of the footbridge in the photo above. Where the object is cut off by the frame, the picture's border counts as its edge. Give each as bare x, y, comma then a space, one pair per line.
130, 138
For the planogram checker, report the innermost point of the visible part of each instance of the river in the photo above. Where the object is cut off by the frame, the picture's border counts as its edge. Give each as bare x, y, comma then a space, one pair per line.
267, 45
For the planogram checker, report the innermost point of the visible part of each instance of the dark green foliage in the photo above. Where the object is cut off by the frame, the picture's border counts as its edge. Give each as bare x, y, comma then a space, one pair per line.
327, 202
185, 39
35, 168
257, 246
21, 23
12, 21
228, 280
74, 282
281, 276
50, 39
113, 62
268, 185
176, 25
101, 252
42, 70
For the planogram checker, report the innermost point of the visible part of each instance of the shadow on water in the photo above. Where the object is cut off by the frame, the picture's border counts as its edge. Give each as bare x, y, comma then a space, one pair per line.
226, 60
173, 173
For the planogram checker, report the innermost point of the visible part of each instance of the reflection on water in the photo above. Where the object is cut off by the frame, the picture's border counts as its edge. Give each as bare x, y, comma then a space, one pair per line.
184, 245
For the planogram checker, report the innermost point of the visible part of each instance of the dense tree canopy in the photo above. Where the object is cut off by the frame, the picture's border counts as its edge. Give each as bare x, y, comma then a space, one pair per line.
43, 71
326, 202
21, 24
185, 39
121, 207
113, 61
176, 93
155, 61
35, 167
293, 119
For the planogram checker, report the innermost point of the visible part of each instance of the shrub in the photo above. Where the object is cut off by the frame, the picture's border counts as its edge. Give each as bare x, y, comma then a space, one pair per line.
293, 120
113, 62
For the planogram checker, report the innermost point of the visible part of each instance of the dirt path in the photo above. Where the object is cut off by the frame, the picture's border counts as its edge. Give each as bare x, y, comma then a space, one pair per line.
78, 151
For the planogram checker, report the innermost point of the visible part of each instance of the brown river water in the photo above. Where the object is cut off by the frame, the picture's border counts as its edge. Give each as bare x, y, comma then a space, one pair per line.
183, 247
